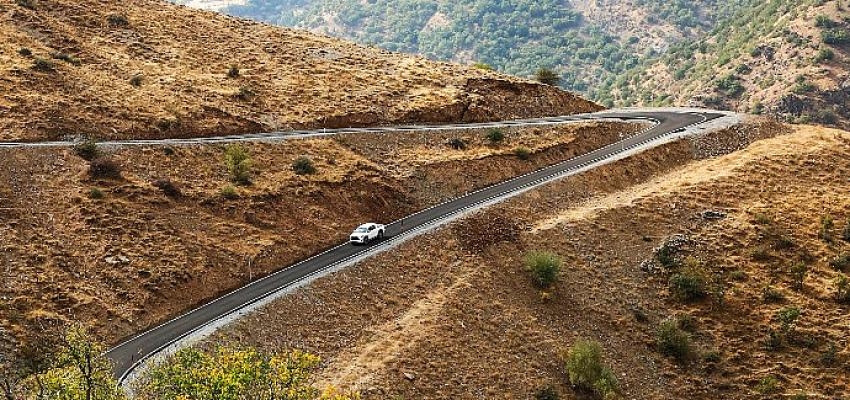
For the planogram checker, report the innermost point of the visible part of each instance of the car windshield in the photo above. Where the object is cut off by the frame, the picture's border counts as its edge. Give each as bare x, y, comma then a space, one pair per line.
362, 229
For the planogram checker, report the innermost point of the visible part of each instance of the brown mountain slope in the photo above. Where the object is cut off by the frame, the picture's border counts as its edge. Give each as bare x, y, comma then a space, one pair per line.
146, 69
454, 314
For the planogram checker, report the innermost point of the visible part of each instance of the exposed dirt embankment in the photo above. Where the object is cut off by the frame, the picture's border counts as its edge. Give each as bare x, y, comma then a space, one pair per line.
122, 253
453, 314
149, 69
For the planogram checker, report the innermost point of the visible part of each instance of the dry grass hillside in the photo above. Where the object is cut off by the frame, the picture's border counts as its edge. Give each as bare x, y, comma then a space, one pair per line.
156, 230
454, 314
150, 69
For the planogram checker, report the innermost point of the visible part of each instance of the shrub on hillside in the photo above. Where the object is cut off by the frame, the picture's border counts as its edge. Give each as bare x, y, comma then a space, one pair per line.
841, 262
87, 150
772, 295
233, 72
95, 194
547, 76
544, 268
303, 166
31, 4
835, 36
798, 275
483, 66
673, 341
547, 393
496, 136
824, 55
43, 65
25, 52
167, 187
104, 168
690, 284
523, 153
66, 57
137, 80
229, 192
586, 370
842, 289
117, 20
457, 144
787, 317
238, 163
845, 233
826, 226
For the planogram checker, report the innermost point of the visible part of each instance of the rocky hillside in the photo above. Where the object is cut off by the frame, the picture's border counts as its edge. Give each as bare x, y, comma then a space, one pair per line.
148, 68
782, 57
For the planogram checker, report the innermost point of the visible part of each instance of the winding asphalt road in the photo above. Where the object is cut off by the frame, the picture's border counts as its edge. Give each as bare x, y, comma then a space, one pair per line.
129, 355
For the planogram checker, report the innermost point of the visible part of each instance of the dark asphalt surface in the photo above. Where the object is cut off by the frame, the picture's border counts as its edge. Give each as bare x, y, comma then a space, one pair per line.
129, 354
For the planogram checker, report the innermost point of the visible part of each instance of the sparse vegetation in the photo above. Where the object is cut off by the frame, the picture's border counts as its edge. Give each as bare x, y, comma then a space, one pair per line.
482, 66
523, 153
544, 267
457, 144
95, 194
31, 4
547, 393
841, 262
824, 55
117, 20
239, 164
104, 168
167, 187
798, 275
303, 166
845, 233
233, 72
690, 284
245, 93
87, 150
137, 80
787, 317
842, 289
229, 192
25, 52
771, 294
586, 369
43, 65
496, 136
836, 36
66, 57
768, 385
826, 227
673, 341
830, 355
547, 76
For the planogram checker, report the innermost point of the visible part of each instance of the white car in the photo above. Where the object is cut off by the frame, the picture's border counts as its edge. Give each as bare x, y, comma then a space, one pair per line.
367, 232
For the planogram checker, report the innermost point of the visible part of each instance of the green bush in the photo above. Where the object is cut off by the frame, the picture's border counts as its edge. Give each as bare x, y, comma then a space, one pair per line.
825, 233
772, 295
689, 284
482, 66
229, 192
543, 267
87, 150
841, 262
66, 57
768, 385
823, 21
43, 65
824, 55
303, 166
587, 371
238, 163
522, 153
666, 256
547, 76
673, 341
95, 193
496, 136
835, 36
787, 317
798, 275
